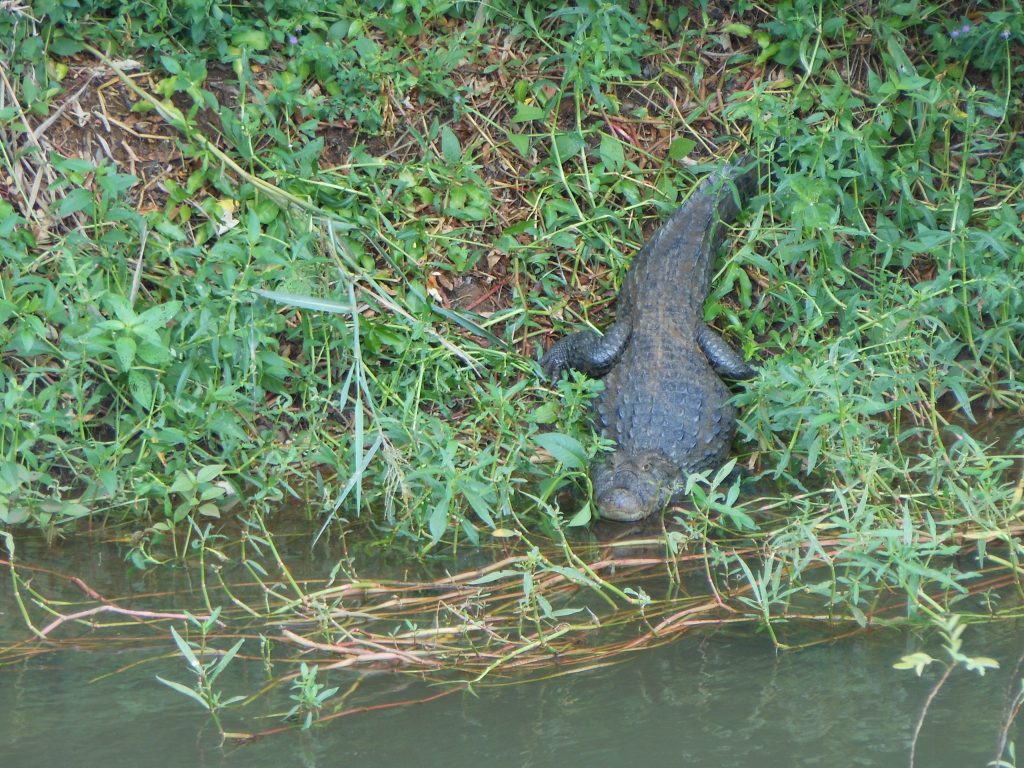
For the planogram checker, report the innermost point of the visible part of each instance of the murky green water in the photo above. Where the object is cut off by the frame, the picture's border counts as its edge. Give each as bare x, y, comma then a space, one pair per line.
711, 701
724, 698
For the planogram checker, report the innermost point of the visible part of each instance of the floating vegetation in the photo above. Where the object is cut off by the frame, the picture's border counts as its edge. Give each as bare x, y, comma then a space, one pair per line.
528, 610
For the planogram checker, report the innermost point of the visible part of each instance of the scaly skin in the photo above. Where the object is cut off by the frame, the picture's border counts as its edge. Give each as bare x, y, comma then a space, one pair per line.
663, 403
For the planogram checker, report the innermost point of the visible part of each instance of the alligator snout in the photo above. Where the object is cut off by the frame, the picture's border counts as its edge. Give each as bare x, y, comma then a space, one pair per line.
623, 505
630, 487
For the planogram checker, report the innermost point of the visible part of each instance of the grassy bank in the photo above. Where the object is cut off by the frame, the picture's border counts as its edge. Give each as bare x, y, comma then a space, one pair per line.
293, 251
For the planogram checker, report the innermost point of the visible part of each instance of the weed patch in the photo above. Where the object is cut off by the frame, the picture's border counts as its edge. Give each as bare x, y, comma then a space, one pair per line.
293, 251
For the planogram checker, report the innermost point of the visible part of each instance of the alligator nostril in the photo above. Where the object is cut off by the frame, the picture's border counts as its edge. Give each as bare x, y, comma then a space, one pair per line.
626, 477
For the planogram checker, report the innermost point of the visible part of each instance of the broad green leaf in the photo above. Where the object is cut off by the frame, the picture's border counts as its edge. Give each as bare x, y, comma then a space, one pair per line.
980, 664
568, 144
680, 148
171, 64
170, 229
266, 211
147, 335
212, 492
438, 522
141, 388
184, 482
964, 206
209, 509
480, 506
963, 400
739, 518
914, 661
582, 517
12, 515
76, 200
209, 472
612, 154
564, 448
899, 57
154, 354
740, 30
64, 46
521, 142
526, 112
75, 165
70, 509
121, 308
450, 148
160, 315
546, 413
250, 38
125, 348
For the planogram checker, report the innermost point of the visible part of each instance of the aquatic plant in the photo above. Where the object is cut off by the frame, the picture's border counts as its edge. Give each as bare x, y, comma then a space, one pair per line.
950, 628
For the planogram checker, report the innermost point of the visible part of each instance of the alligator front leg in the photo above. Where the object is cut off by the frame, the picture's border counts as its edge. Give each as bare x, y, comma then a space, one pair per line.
586, 351
725, 360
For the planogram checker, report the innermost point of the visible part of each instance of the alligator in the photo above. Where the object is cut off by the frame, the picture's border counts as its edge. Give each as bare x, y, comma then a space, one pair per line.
663, 403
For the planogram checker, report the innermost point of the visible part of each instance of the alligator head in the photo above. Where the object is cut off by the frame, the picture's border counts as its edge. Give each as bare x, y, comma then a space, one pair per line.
631, 486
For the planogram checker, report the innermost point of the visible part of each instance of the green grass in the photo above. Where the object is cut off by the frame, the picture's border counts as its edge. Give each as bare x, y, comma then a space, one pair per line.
271, 310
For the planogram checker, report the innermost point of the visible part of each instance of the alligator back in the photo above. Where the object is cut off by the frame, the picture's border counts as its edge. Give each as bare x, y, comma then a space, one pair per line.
663, 397
663, 403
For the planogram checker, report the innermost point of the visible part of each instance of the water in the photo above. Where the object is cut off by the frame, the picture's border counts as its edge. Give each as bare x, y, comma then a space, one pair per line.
721, 698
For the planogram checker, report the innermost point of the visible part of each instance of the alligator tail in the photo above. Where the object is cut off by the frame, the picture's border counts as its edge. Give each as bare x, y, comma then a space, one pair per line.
736, 184
730, 189
682, 250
